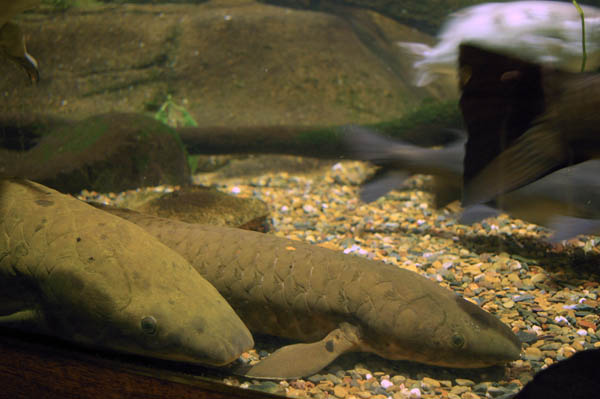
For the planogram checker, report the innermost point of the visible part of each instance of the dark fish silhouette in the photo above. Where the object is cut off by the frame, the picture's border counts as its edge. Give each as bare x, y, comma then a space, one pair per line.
567, 201
400, 159
524, 121
577, 377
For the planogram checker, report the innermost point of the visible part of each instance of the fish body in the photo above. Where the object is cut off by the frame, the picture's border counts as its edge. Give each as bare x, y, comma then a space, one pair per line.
524, 121
72, 271
567, 201
333, 302
536, 31
12, 40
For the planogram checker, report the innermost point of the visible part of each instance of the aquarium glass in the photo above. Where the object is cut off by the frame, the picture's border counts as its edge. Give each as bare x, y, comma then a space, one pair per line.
302, 198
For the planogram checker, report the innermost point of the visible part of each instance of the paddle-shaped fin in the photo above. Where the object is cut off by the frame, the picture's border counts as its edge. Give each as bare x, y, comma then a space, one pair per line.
300, 360
19, 318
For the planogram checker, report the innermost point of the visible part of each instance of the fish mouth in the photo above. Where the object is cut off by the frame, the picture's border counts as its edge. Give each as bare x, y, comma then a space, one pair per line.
217, 348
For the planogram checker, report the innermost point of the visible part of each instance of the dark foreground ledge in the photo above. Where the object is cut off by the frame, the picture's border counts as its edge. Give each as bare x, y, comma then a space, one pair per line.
38, 367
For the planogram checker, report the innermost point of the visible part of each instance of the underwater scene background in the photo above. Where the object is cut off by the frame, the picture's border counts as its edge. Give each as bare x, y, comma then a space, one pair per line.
349, 199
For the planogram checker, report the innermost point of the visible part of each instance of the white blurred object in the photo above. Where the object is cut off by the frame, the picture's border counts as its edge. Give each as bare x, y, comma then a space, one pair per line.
537, 31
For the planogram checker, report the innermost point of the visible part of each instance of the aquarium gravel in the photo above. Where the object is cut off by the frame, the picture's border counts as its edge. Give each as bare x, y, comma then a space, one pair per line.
547, 294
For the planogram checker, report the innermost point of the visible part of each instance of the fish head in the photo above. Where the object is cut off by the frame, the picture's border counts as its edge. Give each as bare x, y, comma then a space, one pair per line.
470, 337
432, 325
168, 312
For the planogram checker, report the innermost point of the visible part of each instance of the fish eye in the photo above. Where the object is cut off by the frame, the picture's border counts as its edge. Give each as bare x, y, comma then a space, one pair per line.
149, 325
458, 341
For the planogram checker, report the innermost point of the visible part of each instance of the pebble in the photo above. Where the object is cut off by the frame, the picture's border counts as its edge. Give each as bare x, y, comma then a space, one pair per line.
508, 304
538, 278
464, 382
459, 390
339, 391
431, 382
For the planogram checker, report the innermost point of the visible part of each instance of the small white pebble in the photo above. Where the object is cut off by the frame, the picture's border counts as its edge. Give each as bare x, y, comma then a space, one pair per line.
236, 190
447, 265
420, 222
368, 376
561, 319
354, 248
337, 166
385, 384
569, 306
308, 208
284, 208
415, 393
582, 332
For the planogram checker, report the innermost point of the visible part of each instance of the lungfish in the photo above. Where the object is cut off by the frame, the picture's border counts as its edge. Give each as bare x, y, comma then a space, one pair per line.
334, 303
75, 272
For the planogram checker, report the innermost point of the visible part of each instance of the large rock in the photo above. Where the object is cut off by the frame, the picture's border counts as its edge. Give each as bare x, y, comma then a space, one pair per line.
196, 204
229, 62
105, 153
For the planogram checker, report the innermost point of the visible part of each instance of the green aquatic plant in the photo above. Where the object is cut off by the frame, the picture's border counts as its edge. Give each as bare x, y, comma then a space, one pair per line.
584, 55
174, 115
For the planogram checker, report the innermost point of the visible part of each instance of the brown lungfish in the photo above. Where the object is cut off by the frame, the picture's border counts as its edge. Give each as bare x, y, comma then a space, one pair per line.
71, 271
333, 302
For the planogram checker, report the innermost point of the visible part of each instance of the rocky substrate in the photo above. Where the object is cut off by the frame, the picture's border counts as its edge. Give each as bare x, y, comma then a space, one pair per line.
547, 294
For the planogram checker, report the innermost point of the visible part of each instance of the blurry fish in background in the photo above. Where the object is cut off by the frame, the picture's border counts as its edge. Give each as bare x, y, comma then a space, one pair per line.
12, 40
537, 31
524, 121
399, 160
566, 201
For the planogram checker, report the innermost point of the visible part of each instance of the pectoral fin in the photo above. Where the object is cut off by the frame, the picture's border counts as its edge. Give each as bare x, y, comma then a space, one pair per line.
300, 360
382, 185
19, 318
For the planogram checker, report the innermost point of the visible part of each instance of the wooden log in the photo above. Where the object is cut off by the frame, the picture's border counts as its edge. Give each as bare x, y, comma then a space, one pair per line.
40, 367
